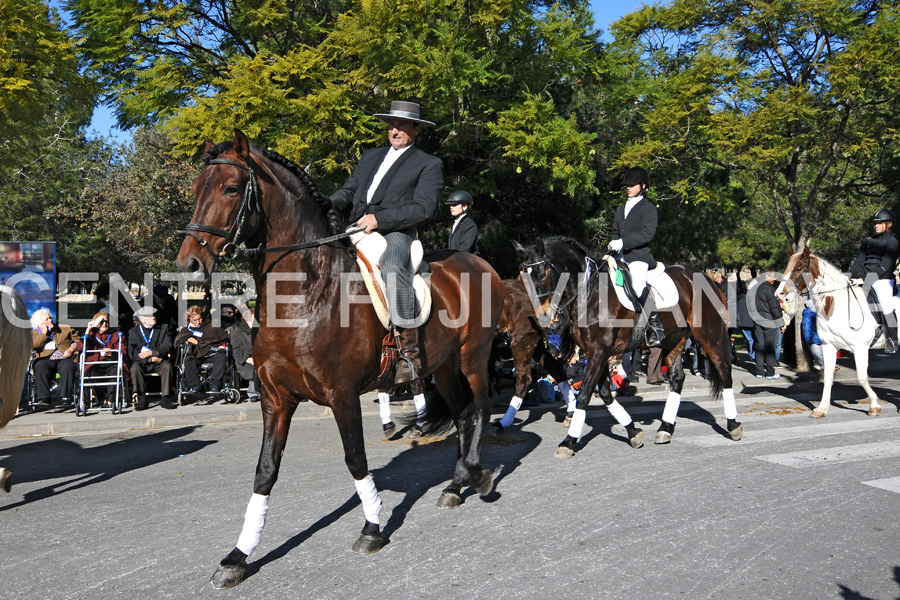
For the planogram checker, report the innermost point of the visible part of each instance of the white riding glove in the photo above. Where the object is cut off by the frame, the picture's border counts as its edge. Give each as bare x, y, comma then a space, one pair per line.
615, 245
856, 281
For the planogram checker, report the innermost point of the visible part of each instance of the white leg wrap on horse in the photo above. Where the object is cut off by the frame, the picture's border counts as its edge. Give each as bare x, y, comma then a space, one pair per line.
619, 413
670, 412
730, 403
576, 427
368, 494
384, 407
568, 394
254, 521
514, 405
419, 400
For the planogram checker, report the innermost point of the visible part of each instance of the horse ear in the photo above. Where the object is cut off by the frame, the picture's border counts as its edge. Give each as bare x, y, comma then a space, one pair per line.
521, 250
806, 252
539, 246
241, 145
206, 146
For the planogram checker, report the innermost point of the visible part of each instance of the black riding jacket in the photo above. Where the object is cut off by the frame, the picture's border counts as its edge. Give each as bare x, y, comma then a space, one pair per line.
878, 254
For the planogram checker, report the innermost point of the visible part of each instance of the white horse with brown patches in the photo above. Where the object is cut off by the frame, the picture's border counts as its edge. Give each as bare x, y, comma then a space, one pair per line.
843, 319
15, 349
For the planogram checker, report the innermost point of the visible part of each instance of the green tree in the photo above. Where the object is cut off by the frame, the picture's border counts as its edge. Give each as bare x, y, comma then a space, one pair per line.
796, 101
43, 97
509, 83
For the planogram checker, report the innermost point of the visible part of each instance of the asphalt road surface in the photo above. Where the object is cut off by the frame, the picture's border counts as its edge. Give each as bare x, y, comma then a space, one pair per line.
798, 509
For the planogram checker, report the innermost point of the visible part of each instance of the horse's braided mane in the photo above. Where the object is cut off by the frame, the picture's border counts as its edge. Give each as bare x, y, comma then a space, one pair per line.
573, 242
331, 214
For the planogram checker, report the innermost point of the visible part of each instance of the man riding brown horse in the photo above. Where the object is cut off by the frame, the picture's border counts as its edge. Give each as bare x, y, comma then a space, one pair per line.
393, 189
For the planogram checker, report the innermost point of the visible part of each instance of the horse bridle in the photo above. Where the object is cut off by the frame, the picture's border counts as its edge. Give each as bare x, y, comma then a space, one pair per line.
250, 205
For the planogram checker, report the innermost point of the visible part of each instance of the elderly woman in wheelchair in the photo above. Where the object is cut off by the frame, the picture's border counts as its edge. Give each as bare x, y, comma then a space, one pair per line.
200, 342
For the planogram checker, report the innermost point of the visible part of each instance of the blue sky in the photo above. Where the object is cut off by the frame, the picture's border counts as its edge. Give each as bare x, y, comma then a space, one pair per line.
605, 13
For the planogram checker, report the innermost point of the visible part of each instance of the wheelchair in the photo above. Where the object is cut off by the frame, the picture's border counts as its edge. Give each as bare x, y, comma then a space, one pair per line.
29, 392
230, 391
87, 399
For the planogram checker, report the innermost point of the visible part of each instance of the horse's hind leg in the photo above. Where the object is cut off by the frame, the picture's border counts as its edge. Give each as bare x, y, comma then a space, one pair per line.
829, 357
718, 350
276, 422
862, 376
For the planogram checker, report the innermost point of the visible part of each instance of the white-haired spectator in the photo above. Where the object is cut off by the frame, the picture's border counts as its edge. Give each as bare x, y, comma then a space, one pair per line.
55, 347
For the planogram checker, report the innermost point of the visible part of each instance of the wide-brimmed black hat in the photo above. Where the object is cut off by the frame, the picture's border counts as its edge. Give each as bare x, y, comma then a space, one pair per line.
408, 111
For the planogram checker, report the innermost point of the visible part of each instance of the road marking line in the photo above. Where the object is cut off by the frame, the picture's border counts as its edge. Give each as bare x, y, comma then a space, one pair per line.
752, 436
891, 484
842, 454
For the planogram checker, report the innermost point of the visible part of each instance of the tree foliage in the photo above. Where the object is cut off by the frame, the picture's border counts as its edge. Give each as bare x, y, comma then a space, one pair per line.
42, 93
794, 99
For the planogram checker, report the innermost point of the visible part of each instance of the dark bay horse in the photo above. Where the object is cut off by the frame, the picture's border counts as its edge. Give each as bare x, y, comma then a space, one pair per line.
318, 340
527, 343
15, 350
574, 284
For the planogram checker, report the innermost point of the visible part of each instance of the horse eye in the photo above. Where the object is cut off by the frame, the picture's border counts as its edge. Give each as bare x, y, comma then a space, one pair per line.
231, 189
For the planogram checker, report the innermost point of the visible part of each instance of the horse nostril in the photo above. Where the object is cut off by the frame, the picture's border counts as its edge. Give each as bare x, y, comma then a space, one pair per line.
192, 265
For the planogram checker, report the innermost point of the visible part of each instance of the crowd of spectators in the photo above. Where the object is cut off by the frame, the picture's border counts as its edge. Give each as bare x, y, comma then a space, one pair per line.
149, 341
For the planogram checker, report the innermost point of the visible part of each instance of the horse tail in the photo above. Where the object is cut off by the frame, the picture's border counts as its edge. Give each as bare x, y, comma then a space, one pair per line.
15, 350
716, 384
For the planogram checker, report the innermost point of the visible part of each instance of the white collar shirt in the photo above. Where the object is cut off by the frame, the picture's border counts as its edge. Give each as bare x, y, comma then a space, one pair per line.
389, 159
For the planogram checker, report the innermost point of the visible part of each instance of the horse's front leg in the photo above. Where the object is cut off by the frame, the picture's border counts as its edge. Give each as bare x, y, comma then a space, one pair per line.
597, 372
675, 369
5, 479
276, 423
862, 376
348, 416
829, 357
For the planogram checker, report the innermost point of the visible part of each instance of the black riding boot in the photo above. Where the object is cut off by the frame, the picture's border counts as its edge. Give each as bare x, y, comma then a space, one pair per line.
890, 339
408, 365
655, 333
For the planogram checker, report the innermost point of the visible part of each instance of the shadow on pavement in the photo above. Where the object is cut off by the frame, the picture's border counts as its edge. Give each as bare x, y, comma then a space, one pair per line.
61, 458
414, 472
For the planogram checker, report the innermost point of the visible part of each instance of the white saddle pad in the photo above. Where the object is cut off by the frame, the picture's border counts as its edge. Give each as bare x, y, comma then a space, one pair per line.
370, 247
661, 286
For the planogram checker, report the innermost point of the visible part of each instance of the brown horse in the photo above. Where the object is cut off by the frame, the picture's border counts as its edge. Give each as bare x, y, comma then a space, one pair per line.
572, 282
317, 340
527, 342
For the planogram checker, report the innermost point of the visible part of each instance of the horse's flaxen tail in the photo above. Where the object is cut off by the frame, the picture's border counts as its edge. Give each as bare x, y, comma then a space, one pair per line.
15, 349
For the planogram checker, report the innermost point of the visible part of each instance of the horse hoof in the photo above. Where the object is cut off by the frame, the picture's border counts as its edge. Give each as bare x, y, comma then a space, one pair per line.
389, 429
496, 428
228, 576
415, 432
449, 500
637, 440
5, 480
487, 483
368, 543
663, 437
564, 452
874, 411
737, 433
816, 414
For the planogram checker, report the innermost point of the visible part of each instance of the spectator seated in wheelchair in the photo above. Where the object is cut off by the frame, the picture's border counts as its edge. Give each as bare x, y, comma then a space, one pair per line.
239, 326
199, 343
101, 345
55, 351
